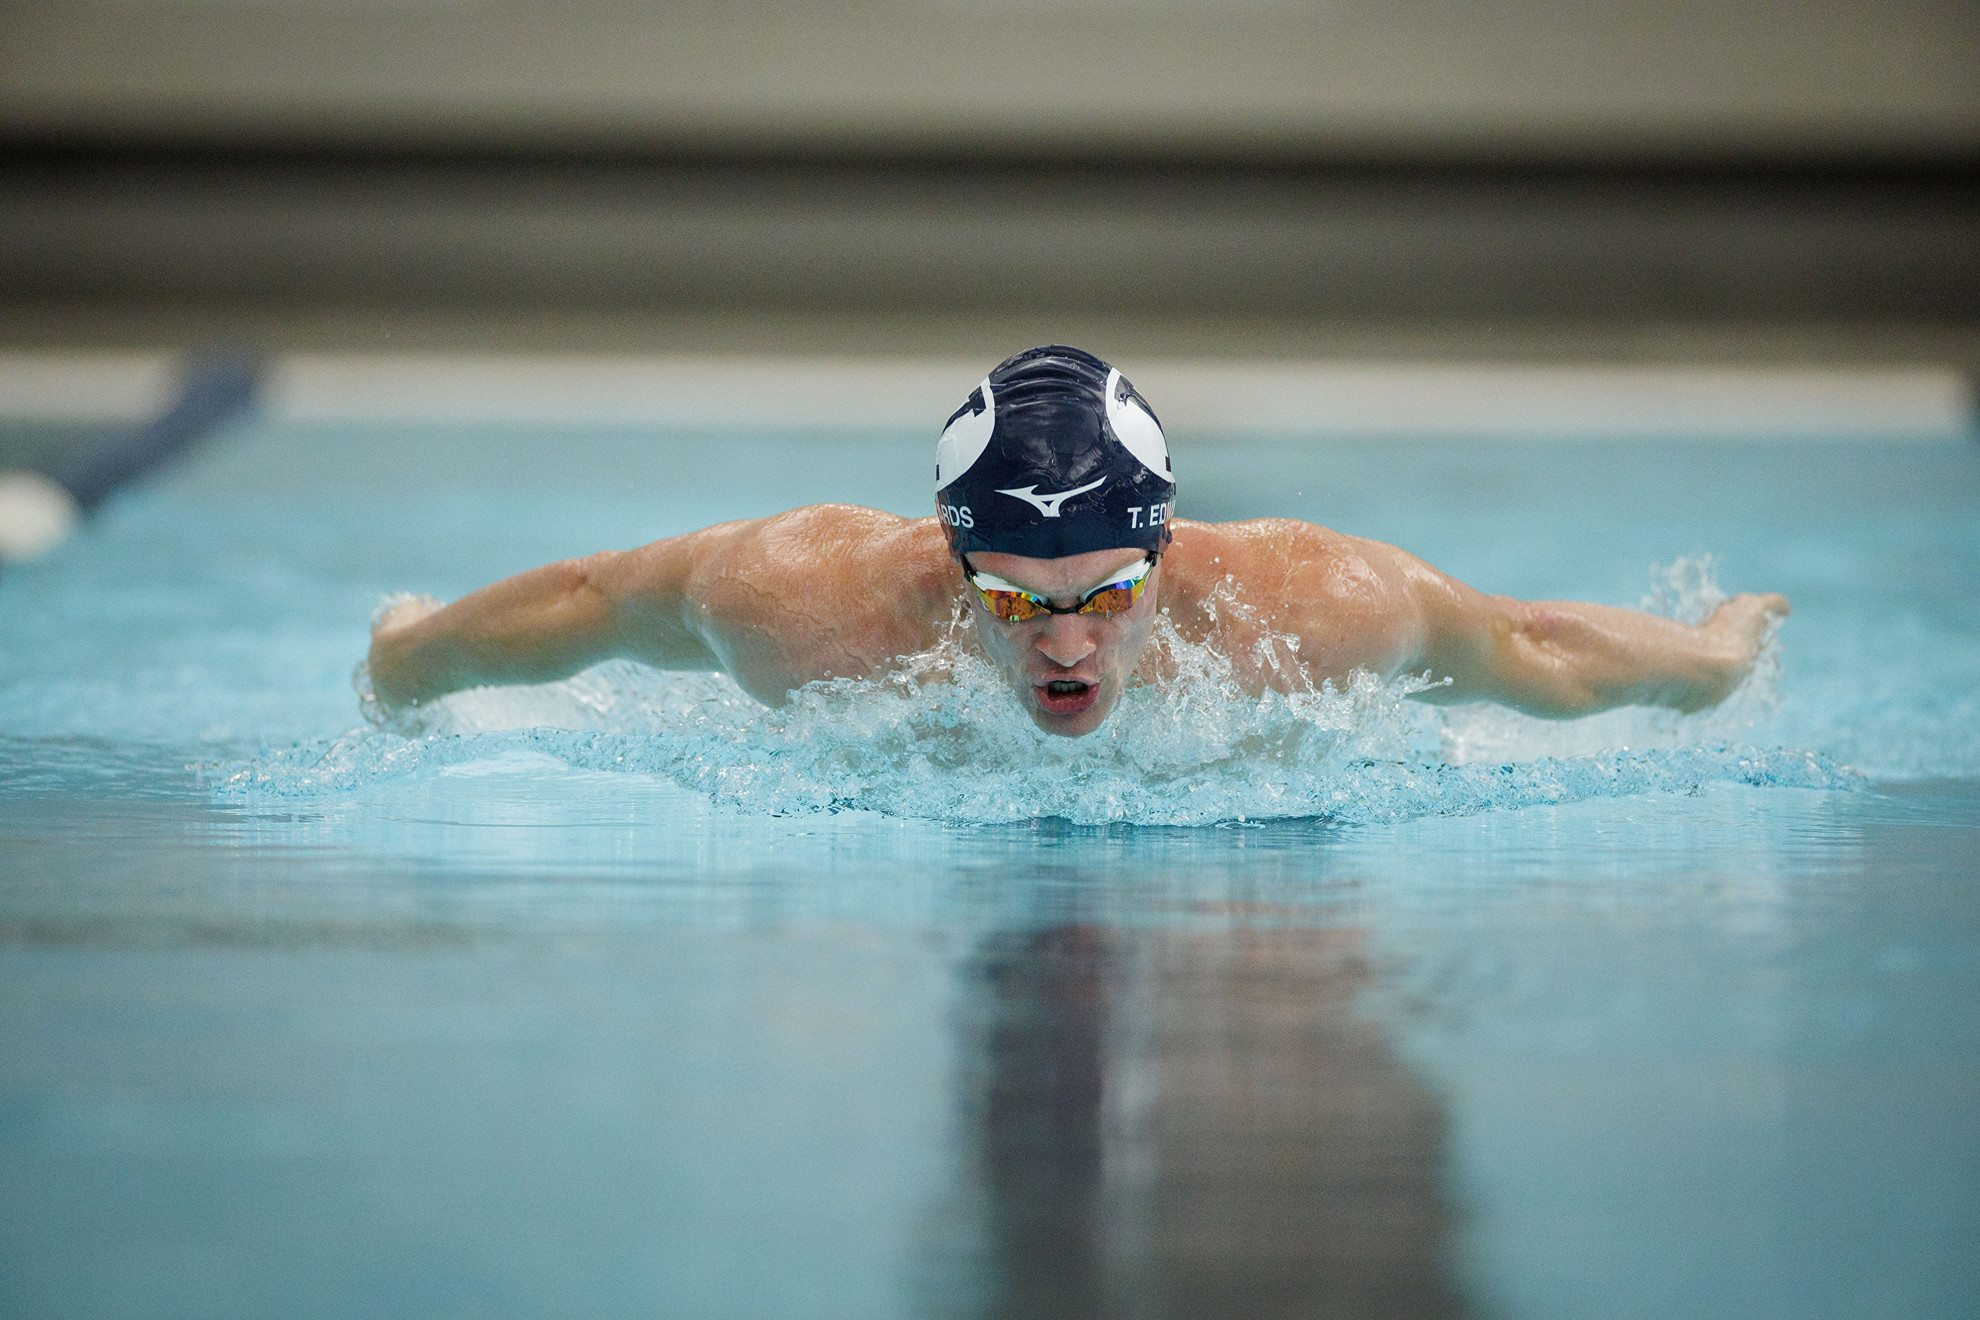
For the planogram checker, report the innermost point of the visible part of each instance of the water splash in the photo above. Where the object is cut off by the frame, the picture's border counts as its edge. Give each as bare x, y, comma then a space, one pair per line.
1686, 589
945, 738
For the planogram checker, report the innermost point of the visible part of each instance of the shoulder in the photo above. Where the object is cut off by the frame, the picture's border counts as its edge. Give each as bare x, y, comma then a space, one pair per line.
824, 591
839, 530
1263, 558
1348, 600
848, 546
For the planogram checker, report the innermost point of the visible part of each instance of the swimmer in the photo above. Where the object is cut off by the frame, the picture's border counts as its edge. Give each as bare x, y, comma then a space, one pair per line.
1054, 528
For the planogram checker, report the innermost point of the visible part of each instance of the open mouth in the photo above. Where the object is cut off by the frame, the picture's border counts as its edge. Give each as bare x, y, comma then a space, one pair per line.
1067, 696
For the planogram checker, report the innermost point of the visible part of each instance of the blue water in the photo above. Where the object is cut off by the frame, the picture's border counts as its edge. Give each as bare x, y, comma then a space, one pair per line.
624, 996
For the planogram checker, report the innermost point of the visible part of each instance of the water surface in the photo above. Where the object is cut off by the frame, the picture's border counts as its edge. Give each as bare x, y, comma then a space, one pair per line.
682, 1009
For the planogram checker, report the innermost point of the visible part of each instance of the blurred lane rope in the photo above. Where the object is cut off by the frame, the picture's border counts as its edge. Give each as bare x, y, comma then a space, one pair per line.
38, 512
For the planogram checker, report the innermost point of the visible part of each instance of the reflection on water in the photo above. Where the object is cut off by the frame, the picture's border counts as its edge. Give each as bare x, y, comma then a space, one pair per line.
1196, 1123
1040, 1092
531, 1041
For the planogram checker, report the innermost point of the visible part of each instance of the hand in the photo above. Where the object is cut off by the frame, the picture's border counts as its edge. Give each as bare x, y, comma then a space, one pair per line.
1747, 620
399, 611
376, 697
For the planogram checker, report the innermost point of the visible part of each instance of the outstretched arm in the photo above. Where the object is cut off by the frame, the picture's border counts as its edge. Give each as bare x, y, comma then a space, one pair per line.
546, 624
818, 592
1359, 604
1566, 658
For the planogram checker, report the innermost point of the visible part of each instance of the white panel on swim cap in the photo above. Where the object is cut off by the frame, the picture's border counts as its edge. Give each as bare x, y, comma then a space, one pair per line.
965, 440
1136, 429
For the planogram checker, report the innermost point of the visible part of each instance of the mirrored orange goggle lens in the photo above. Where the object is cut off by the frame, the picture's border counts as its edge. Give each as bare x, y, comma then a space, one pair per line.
1010, 606
1016, 607
1113, 600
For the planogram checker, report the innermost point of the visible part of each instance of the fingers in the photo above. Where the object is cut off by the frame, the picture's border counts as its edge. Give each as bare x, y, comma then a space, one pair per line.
1749, 604
1763, 610
1747, 620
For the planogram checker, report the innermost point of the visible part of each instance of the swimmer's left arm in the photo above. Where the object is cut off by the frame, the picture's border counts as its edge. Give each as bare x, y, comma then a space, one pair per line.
1561, 659
1354, 603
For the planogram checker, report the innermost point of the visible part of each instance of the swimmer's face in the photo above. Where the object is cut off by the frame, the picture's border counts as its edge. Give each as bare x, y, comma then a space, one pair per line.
1068, 669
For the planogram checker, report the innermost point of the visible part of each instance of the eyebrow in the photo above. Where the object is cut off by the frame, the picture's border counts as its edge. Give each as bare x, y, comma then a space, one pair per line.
1141, 567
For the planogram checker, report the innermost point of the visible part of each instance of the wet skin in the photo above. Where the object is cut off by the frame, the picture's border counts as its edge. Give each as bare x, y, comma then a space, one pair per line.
1069, 669
833, 591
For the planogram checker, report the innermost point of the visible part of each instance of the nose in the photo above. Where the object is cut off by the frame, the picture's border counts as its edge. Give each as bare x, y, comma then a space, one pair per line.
1066, 640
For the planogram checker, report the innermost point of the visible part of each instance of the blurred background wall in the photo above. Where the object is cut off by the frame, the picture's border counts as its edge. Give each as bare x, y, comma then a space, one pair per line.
1507, 179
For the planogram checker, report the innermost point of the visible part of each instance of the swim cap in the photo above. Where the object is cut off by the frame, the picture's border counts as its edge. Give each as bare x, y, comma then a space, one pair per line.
1054, 454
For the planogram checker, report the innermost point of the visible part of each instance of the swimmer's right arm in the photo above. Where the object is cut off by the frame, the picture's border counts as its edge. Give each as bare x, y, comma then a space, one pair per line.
818, 592
550, 623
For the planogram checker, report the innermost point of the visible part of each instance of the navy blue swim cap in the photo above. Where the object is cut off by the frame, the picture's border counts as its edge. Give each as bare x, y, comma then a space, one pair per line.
1054, 454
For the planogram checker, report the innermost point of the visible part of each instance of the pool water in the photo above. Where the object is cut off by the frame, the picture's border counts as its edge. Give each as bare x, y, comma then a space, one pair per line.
624, 996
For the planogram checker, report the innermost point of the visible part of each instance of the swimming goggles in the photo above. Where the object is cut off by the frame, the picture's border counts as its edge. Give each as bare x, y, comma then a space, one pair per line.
1013, 604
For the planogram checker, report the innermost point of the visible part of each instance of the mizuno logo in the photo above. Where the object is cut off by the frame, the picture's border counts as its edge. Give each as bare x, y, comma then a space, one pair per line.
1049, 504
